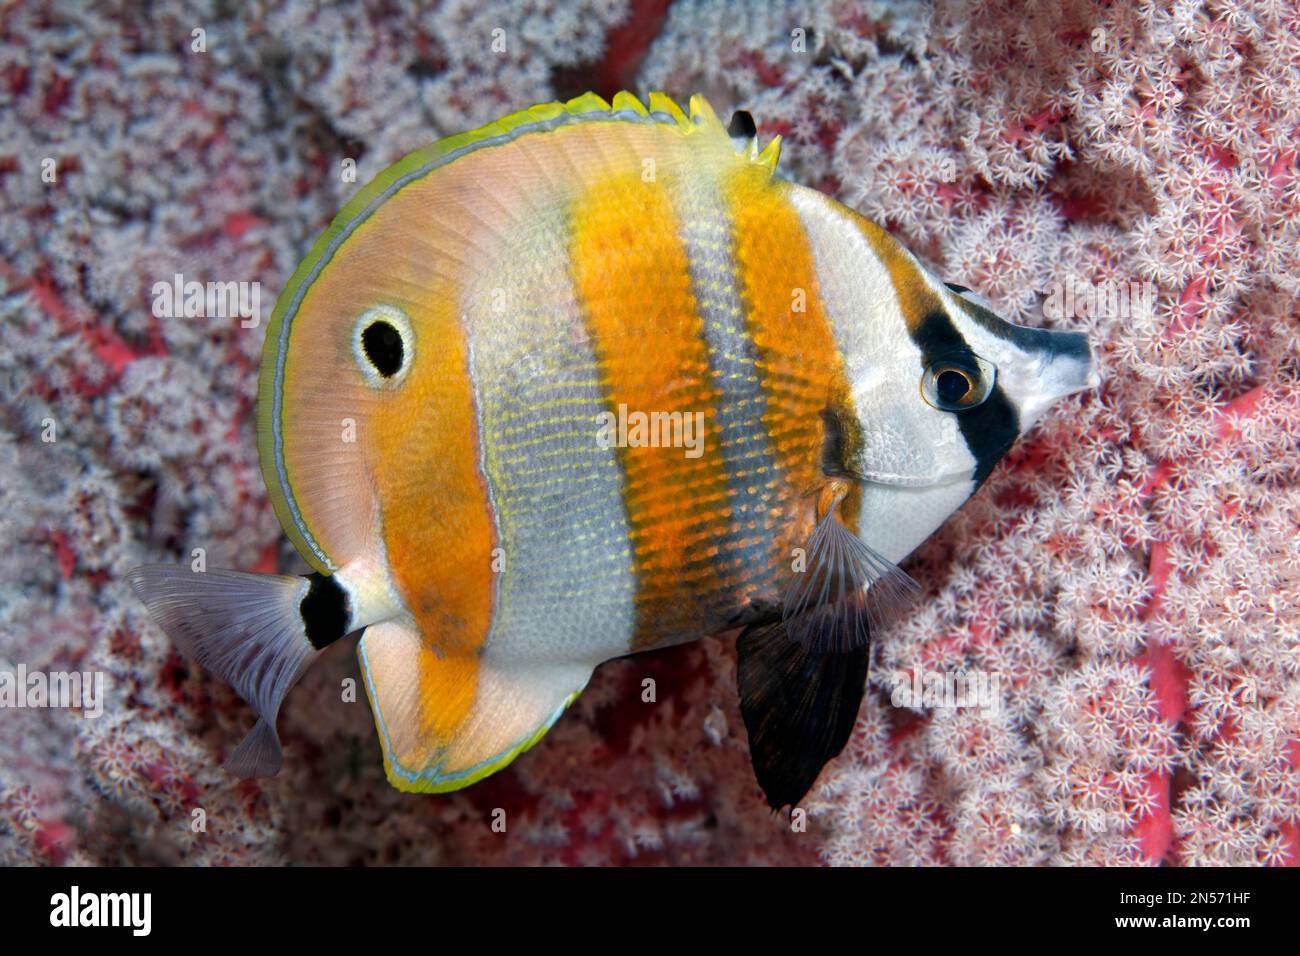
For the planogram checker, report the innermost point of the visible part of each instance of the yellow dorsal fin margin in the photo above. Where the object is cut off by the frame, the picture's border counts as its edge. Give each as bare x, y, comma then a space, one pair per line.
626, 101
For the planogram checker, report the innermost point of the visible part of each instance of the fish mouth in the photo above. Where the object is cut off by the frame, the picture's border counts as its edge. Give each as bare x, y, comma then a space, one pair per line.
1067, 357
1081, 363
1067, 365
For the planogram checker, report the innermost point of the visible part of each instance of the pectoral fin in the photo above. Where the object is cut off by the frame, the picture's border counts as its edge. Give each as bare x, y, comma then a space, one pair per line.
845, 589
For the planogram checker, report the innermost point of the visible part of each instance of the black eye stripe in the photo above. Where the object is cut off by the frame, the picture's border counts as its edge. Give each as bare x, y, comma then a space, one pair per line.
382, 344
989, 428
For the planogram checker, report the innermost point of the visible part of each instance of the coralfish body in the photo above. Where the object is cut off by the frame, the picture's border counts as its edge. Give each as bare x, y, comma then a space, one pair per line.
595, 380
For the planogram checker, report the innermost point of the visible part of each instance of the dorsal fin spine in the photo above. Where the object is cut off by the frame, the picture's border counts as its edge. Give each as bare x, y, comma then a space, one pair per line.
702, 114
770, 154
587, 103
623, 100
662, 103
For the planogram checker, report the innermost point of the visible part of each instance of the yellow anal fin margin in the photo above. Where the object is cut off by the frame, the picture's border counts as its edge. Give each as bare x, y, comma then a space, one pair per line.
412, 691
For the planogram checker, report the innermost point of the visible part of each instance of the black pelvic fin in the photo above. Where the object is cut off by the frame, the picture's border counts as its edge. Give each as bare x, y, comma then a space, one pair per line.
799, 708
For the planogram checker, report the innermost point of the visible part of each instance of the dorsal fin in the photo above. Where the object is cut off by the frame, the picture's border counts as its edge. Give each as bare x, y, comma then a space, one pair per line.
660, 107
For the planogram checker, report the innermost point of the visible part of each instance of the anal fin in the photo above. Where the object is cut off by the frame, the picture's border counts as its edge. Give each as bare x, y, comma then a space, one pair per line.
799, 707
448, 721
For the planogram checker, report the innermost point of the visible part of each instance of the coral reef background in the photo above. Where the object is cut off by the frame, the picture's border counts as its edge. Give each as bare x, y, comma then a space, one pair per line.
1131, 572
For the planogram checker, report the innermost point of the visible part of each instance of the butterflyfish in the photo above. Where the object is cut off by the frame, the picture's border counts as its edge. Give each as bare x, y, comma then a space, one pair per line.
592, 380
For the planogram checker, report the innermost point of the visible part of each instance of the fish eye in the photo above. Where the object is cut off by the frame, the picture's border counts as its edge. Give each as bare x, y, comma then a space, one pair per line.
958, 383
383, 345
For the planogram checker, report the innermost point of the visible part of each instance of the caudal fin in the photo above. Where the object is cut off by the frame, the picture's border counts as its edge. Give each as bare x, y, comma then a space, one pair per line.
247, 629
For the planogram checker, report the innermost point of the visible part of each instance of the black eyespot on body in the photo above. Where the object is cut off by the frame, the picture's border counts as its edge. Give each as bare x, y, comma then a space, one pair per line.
382, 344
